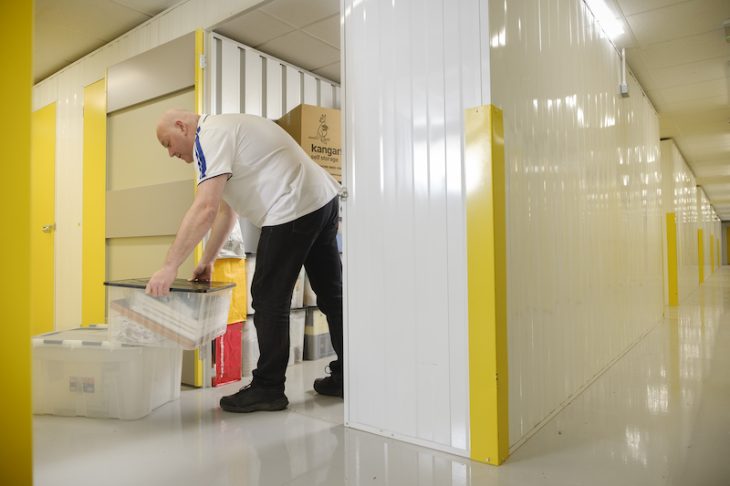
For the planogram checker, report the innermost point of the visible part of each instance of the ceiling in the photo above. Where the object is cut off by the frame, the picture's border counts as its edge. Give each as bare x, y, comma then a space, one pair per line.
676, 48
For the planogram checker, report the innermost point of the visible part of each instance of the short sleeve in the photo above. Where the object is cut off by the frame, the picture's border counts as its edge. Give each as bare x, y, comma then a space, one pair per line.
214, 151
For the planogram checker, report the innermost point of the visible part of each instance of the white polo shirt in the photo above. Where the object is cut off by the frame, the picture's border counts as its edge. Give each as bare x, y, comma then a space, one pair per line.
271, 180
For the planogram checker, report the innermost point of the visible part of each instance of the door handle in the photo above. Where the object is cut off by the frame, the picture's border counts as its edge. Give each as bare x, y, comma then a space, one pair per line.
47, 228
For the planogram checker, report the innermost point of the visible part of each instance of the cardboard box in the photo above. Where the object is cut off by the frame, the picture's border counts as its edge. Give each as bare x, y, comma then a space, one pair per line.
317, 131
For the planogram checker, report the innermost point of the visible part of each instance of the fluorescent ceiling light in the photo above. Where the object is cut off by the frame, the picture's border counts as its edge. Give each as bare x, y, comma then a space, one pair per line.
608, 20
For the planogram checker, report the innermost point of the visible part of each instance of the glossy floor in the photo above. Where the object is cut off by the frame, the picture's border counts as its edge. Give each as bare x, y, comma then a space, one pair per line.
659, 415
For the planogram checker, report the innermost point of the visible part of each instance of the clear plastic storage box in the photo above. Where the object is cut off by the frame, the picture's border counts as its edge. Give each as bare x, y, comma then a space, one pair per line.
80, 372
194, 313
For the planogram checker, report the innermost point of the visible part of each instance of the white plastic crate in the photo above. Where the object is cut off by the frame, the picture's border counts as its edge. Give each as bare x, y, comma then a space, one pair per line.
80, 372
296, 336
194, 313
317, 340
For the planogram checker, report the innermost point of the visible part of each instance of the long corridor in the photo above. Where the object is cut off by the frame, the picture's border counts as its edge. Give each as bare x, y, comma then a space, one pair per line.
660, 415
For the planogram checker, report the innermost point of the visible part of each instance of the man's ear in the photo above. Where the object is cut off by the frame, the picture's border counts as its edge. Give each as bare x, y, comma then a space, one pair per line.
181, 126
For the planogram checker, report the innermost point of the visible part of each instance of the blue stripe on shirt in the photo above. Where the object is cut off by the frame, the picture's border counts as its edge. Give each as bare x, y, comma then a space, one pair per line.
202, 166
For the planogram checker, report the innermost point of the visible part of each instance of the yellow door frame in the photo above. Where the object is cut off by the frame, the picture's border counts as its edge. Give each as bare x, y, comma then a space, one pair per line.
16, 44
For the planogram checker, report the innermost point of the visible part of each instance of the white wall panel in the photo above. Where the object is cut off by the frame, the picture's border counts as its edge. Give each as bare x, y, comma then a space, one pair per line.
309, 89
292, 80
274, 107
69, 174
254, 86
229, 80
411, 69
66, 88
238, 72
326, 98
584, 204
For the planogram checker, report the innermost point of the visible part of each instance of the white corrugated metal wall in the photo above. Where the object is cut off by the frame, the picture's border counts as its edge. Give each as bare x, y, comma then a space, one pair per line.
243, 80
584, 204
67, 88
411, 68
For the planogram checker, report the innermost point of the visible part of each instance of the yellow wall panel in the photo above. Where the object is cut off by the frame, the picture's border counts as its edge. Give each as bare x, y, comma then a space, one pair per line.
16, 41
42, 219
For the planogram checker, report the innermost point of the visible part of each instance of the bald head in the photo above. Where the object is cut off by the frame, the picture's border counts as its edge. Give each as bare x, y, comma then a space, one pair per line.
176, 132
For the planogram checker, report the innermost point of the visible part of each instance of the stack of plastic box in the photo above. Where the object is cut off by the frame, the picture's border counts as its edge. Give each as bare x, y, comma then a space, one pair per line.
133, 366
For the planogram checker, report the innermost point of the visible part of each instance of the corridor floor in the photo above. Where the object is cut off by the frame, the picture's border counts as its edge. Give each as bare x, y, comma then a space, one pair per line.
660, 415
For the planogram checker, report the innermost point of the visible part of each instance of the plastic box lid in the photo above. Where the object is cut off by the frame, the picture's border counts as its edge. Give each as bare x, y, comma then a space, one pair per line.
179, 285
94, 336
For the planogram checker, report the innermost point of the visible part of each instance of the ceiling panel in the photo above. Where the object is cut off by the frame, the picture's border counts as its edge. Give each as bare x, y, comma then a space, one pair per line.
107, 20
701, 122
327, 30
631, 7
302, 49
300, 13
50, 56
254, 28
678, 20
708, 45
148, 7
700, 104
331, 71
67, 30
691, 73
696, 91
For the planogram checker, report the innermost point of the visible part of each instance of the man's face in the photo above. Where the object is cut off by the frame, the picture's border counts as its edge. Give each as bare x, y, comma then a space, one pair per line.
178, 139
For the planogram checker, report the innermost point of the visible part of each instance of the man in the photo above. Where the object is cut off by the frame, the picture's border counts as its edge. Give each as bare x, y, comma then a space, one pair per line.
249, 166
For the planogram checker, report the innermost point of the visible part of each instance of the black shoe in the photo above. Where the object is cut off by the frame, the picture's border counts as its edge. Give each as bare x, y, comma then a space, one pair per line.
331, 385
251, 398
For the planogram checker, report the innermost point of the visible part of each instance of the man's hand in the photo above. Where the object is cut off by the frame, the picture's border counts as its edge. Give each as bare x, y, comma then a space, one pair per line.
202, 273
160, 282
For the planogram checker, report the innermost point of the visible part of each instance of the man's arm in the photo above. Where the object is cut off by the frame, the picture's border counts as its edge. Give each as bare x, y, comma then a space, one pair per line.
222, 227
197, 221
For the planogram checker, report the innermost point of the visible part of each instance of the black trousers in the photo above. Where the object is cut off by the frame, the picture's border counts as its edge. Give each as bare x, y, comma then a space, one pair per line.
310, 241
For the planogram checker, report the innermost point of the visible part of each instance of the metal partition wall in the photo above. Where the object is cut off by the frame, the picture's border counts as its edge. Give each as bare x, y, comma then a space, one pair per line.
584, 204
244, 80
412, 68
